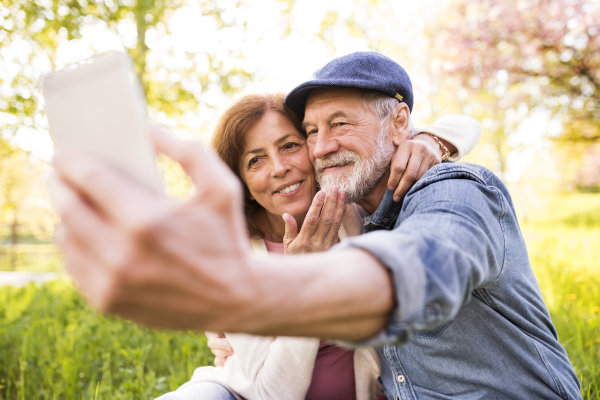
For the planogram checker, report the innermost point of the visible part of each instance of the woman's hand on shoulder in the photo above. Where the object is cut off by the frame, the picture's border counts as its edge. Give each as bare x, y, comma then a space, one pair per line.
321, 224
413, 158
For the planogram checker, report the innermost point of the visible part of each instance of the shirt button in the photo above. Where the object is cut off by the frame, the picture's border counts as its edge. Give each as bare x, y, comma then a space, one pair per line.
401, 378
385, 220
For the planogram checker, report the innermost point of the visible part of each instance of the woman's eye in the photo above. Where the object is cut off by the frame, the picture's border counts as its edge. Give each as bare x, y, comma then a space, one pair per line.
290, 145
253, 161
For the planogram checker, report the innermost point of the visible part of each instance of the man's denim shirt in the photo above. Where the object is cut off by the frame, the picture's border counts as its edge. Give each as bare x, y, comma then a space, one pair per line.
470, 321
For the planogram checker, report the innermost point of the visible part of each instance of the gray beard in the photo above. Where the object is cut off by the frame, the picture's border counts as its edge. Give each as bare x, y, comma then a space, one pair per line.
358, 182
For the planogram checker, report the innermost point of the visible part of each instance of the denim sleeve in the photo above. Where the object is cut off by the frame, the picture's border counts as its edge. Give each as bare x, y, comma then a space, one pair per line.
447, 241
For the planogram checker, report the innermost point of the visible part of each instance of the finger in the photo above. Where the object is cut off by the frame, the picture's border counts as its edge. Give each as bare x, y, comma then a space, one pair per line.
219, 344
216, 335
327, 214
222, 353
425, 166
409, 177
93, 234
291, 229
90, 278
219, 362
311, 221
332, 235
116, 196
399, 163
58, 192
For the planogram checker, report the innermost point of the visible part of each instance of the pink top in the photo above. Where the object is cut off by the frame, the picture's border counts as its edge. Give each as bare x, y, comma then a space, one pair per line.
333, 374
273, 247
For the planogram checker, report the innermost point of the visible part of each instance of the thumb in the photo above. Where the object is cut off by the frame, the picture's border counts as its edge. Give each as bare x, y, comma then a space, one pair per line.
291, 229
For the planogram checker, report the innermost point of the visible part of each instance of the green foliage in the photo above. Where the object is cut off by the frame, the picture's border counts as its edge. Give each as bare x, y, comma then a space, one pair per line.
567, 273
53, 346
39, 27
23, 209
564, 253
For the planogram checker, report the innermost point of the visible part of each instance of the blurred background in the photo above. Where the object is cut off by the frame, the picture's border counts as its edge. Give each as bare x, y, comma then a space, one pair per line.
528, 70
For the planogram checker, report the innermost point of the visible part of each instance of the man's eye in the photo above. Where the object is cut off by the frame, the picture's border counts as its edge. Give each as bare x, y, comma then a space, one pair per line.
338, 124
311, 132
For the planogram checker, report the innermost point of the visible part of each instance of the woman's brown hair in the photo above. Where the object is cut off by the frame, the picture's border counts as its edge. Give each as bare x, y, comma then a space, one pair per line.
229, 137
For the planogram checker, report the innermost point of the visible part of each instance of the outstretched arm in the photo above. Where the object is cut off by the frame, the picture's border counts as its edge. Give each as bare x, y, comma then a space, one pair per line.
188, 265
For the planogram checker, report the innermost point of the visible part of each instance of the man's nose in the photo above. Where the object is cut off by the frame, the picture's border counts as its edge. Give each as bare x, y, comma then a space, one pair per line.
324, 145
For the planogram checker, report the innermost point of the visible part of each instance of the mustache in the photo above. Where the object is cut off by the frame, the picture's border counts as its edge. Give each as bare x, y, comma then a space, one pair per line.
336, 160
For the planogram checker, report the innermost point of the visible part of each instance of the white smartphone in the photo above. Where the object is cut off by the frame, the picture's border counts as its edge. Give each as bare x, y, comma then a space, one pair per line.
99, 106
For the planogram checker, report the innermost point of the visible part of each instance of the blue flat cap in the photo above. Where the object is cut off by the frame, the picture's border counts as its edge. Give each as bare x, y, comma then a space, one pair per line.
361, 70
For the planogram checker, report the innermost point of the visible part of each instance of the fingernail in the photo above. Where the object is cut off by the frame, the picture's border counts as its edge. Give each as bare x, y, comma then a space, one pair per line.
342, 196
335, 190
397, 199
321, 195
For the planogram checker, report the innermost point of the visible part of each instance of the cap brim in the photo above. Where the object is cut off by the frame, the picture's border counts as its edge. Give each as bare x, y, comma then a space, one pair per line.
296, 99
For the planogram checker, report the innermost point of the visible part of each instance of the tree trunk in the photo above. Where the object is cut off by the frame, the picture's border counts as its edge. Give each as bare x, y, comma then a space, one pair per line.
141, 49
14, 241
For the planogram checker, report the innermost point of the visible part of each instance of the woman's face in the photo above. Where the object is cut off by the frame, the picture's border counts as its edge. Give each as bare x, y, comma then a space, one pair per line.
276, 168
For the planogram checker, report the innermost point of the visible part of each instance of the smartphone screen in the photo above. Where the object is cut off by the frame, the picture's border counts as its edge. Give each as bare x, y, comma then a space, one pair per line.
98, 106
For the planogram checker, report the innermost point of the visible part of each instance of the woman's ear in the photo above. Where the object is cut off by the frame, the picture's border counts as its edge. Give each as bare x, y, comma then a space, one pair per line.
400, 124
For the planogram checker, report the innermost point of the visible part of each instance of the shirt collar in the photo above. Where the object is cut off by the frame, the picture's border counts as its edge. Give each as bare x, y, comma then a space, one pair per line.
386, 214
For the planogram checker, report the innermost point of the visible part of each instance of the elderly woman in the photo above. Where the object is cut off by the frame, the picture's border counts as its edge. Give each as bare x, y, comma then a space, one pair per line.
263, 143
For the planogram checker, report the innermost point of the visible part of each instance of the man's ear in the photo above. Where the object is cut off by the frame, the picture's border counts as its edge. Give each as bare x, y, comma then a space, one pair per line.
400, 124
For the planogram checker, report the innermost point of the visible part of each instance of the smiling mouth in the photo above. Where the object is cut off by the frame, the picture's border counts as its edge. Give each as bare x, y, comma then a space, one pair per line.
290, 188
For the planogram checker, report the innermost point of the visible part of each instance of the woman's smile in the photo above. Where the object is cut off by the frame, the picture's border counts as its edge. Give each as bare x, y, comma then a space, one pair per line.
290, 189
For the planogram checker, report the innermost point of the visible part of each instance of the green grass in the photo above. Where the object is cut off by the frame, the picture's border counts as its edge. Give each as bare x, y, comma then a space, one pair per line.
53, 346
564, 249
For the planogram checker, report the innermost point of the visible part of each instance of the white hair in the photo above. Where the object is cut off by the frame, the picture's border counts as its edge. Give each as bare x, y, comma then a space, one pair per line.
366, 173
384, 107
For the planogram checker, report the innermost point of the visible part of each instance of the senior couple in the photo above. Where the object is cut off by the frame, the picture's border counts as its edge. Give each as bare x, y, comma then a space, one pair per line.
439, 282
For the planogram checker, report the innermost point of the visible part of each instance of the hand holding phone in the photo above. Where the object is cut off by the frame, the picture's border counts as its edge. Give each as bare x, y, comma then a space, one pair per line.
99, 106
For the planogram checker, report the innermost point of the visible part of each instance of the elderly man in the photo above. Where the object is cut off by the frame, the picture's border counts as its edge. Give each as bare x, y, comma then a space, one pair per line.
442, 280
